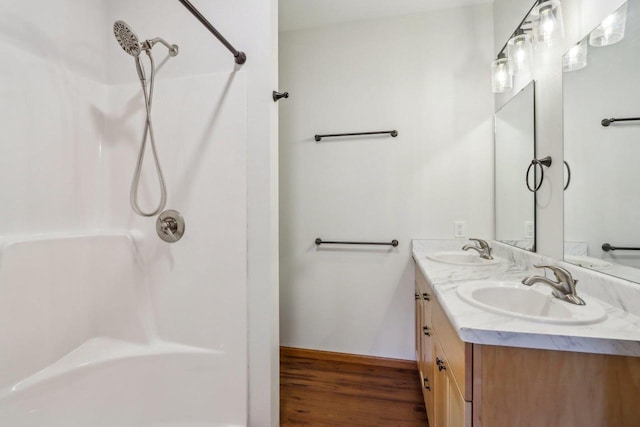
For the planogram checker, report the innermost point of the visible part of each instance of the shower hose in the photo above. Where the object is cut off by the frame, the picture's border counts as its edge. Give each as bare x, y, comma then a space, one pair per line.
148, 132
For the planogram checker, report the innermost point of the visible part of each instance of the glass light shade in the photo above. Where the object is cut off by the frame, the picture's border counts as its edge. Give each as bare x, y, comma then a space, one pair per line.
520, 53
575, 58
548, 27
611, 30
501, 78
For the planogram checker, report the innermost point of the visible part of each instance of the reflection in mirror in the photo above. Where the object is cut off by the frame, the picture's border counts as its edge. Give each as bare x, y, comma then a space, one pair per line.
515, 148
602, 148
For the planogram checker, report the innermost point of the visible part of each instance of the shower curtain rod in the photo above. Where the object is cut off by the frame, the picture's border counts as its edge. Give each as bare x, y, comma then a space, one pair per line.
241, 58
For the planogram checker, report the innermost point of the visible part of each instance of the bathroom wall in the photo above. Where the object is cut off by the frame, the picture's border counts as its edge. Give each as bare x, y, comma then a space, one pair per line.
426, 76
580, 16
52, 93
71, 114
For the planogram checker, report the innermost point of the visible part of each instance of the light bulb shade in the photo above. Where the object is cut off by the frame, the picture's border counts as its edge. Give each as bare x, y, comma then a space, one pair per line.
575, 58
520, 54
501, 78
548, 27
611, 30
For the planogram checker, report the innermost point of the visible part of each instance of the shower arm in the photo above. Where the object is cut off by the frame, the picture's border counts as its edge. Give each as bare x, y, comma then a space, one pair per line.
148, 44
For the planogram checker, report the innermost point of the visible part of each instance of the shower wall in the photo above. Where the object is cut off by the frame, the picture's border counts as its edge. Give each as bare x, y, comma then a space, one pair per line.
53, 94
71, 110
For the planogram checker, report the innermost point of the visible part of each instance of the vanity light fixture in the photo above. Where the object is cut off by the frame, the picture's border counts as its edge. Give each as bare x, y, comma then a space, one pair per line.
520, 52
548, 27
611, 30
501, 77
544, 19
575, 58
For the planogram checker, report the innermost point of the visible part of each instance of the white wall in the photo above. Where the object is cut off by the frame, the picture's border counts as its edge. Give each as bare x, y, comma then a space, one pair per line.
424, 75
580, 17
52, 94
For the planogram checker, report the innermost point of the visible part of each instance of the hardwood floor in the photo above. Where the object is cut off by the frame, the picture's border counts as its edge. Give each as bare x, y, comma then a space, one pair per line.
331, 389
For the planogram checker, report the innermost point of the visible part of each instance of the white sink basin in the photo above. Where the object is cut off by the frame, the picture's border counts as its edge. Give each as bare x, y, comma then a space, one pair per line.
517, 300
460, 258
588, 262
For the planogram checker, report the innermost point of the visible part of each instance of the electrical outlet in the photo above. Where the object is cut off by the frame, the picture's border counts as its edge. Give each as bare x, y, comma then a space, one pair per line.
460, 229
528, 229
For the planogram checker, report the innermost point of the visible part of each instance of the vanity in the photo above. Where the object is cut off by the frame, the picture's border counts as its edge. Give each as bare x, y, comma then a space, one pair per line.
480, 367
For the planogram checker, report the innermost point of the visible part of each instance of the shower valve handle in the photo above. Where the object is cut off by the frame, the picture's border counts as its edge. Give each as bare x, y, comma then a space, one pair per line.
170, 226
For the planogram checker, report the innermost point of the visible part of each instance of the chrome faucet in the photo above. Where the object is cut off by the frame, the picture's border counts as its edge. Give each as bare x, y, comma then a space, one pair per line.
482, 247
564, 288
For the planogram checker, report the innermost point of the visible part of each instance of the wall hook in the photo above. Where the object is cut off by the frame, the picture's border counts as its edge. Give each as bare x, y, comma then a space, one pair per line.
279, 95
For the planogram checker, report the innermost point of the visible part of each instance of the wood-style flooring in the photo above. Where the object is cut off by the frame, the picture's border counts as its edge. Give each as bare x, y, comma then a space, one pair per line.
329, 389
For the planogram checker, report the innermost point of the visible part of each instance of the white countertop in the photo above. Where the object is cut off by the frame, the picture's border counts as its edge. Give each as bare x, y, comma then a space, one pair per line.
618, 334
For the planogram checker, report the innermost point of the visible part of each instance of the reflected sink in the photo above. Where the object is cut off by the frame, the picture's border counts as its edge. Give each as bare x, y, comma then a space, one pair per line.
461, 258
588, 262
515, 299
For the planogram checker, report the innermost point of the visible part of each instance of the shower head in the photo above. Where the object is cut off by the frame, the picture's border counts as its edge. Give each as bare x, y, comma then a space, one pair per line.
127, 38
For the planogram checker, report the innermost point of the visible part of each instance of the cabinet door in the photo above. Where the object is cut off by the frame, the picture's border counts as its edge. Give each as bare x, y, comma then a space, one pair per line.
418, 325
459, 411
441, 388
451, 410
427, 364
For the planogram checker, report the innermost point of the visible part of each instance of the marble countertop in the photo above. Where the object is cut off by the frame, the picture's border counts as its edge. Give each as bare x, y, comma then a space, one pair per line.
618, 334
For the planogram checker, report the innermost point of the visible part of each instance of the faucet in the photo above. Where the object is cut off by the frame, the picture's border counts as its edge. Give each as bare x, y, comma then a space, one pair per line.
564, 288
482, 248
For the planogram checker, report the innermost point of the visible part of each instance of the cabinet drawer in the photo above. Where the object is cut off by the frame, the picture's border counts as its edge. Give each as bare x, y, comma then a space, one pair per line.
458, 353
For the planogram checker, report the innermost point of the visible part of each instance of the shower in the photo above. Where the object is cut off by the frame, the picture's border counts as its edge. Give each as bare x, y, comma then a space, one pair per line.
132, 45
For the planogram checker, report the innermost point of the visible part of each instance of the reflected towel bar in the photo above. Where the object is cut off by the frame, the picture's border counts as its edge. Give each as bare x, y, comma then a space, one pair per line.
607, 122
393, 243
240, 56
609, 247
393, 133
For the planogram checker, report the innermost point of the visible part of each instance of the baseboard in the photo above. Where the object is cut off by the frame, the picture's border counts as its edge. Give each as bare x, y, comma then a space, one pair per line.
348, 358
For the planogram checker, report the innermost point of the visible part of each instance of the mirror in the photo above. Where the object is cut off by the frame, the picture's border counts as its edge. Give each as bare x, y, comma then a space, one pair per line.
602, 202
514, 150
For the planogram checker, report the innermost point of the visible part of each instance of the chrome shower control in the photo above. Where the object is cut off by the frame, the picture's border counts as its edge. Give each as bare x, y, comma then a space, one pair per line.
170, 226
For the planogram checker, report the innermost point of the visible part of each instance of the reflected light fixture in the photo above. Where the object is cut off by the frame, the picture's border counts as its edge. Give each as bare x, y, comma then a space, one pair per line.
548, 26
520, 52
575, 58
611, 30
501, 77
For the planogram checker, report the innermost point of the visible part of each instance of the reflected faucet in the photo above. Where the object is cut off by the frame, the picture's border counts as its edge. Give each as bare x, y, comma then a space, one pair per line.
482, 247
564, 288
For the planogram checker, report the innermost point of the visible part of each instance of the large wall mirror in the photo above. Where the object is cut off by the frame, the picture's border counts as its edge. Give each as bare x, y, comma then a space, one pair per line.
602, 146
515, 148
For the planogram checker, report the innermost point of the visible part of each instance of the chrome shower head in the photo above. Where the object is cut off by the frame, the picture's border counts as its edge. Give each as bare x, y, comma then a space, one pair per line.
127, 38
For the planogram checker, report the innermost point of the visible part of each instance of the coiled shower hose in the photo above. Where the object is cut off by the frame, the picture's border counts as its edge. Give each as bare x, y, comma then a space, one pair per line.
148, 131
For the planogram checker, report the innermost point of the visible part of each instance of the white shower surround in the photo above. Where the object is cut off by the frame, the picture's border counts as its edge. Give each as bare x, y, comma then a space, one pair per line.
72, 116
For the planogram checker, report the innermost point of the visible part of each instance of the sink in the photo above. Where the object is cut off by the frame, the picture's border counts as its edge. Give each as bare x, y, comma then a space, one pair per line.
588, 262
512, 298
461, 258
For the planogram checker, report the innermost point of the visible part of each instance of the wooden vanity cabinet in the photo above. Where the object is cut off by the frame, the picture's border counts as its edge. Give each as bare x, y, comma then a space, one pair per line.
497, 386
